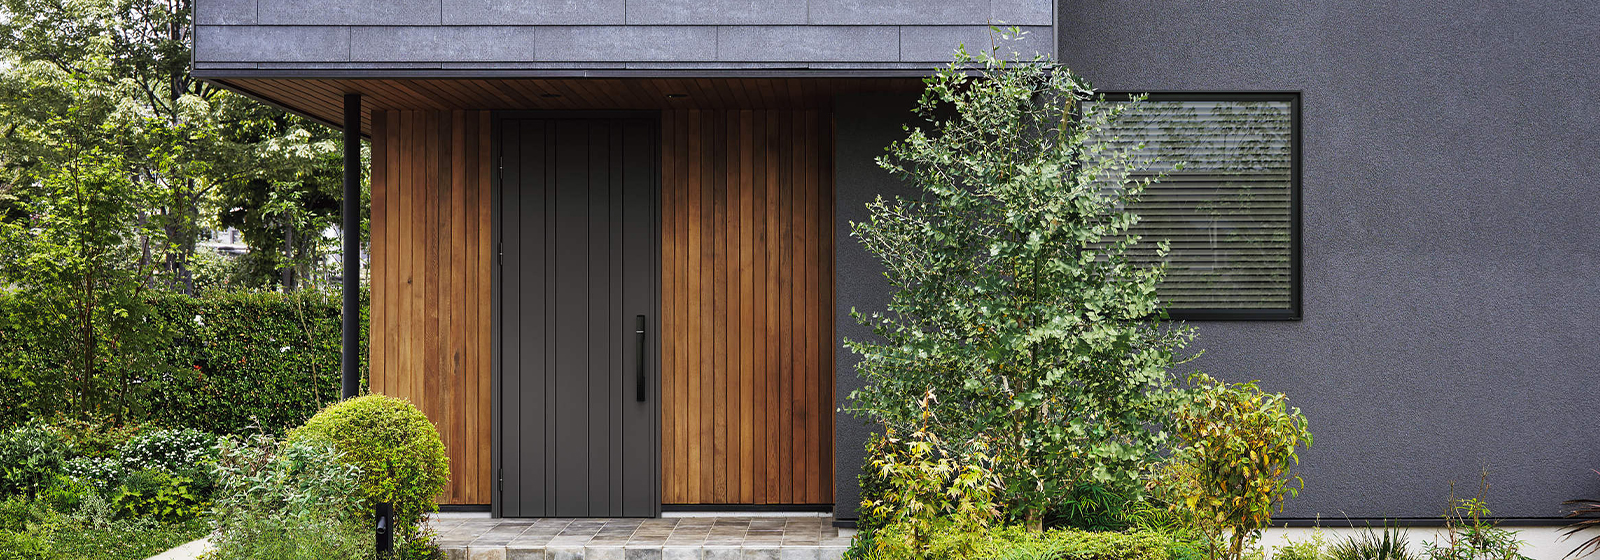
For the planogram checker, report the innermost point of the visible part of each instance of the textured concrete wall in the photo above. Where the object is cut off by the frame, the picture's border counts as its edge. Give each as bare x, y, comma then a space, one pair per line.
1452, 285
533, 34
864, 125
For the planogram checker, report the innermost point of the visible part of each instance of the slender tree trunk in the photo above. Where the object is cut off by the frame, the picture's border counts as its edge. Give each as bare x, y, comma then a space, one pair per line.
288, 258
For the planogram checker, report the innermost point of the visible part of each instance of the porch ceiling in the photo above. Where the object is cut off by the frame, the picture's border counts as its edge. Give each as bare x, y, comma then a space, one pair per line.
323, 99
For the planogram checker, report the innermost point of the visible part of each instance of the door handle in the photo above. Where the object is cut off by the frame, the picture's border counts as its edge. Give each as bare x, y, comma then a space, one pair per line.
639, 357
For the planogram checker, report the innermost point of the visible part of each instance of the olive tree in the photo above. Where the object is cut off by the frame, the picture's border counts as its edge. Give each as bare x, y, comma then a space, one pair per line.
1015, 306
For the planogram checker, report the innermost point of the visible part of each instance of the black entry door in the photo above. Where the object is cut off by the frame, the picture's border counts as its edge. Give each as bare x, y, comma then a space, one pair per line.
577, 317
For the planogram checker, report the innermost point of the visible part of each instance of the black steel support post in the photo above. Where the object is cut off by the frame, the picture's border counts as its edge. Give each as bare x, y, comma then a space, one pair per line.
349, 373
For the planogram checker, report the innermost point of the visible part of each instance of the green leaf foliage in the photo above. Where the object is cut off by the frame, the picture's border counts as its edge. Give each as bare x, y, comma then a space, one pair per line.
401, 457
927, 488
30, 530
160, 495
1393, 543
1314, 547
230, 362
102, 87
288, 502
263, 359
1015, 313
1233, 466
1472, 533
31, 456
1017, 543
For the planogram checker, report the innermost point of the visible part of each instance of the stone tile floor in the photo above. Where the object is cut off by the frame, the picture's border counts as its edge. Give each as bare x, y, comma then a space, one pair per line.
672, 538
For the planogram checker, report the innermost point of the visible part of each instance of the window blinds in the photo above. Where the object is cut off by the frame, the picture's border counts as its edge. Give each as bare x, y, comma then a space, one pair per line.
1228, 212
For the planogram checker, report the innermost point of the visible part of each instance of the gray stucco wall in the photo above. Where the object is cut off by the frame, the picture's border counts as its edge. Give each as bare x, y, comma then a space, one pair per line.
864, 125
1451, 274
646, 34
1450, 250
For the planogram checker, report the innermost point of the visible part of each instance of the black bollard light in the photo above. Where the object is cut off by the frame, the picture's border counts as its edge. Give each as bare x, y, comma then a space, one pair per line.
385, 529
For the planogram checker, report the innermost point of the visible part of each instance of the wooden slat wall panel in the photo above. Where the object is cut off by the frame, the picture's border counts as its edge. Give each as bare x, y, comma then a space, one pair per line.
747, 252
430, 288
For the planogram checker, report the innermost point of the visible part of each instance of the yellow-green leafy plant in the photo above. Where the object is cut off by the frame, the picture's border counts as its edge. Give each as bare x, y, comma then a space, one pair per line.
1312, 548
930, 487
401, 457
159, 495
1232, 467
1018, 543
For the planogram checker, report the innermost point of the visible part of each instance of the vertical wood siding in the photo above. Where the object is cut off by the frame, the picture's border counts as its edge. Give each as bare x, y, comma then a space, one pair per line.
747, 308
430, 280
747, 303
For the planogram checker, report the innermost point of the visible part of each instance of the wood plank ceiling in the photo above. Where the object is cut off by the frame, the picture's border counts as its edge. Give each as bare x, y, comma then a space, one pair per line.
323, 99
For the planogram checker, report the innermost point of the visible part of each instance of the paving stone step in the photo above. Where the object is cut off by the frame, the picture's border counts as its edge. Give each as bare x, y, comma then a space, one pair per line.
686, 538
815, 552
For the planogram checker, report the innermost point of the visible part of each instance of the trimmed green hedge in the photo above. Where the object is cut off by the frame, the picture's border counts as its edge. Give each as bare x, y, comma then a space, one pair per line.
262, 357
1015, 542
233, 360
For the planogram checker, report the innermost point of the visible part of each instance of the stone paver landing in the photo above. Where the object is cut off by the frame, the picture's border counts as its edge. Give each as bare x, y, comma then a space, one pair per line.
673, 538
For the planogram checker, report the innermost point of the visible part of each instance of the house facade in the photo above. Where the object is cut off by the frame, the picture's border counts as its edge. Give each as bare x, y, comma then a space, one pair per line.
610, 250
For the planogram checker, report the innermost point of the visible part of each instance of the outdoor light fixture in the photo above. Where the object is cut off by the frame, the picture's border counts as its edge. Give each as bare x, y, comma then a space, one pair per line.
677, 95
385, 528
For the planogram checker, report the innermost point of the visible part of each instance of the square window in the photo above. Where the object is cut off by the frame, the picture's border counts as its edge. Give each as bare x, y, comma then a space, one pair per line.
1231, 210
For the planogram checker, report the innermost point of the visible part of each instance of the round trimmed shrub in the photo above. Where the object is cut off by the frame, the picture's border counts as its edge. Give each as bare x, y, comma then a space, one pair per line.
401, 458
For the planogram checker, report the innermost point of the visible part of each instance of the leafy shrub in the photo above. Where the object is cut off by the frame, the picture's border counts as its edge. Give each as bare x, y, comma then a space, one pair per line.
159, 495
15, 513
297, 478
1015, 300
930, 488
23, 545
94, 532
1391, 544
295, 538
1014, 542
21, 536
1313, 548
1470, 534
401, 458
1097, 507
874, 488
30, 458
91, 531
287, 502
64, 493
186, 453
1233, 467
103, 474
93, 438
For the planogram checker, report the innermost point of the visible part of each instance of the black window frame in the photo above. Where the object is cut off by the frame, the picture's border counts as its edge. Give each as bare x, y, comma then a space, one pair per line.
1293, 313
